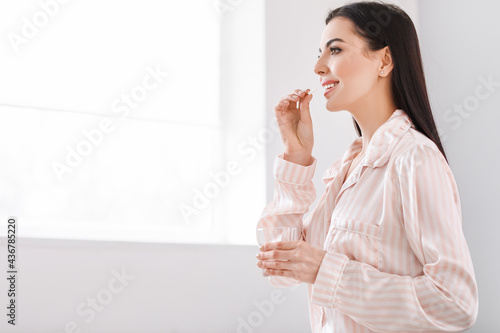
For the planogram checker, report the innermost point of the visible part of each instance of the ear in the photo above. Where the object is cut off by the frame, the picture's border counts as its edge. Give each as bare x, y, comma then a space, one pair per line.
386, 64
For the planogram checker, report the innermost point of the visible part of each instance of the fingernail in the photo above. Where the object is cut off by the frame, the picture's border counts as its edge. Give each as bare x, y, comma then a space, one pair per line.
299, 92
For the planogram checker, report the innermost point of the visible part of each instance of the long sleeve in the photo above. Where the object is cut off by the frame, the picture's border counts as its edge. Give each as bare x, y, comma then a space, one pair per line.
445, 296
293, 194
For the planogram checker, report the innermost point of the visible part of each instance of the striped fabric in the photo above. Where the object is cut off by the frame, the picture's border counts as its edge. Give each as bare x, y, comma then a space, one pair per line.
397, 259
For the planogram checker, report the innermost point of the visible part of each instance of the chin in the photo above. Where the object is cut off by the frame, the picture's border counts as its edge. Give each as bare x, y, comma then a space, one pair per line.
334, 107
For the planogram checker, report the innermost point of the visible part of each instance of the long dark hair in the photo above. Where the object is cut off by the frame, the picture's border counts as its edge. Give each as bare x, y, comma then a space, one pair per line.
384, 25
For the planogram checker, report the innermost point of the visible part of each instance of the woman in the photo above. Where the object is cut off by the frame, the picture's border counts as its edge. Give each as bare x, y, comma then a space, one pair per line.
383, 250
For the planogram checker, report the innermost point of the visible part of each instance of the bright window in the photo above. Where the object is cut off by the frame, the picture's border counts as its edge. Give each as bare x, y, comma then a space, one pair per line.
113, 121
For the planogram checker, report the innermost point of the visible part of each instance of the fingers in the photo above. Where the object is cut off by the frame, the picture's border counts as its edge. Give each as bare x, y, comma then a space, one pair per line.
306, 99
283, 104
275, 255
300, 263
279, 272
294, 97
274, 265
275, 262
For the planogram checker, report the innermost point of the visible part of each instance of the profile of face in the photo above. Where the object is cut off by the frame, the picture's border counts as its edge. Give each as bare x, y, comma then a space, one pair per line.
346, 62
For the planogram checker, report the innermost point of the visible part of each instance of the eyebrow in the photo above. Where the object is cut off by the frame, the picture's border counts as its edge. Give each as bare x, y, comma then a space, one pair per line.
331, 41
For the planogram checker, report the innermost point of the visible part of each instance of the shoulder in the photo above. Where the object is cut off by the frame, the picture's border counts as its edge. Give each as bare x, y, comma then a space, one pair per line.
415, 147
418, 164
418, 158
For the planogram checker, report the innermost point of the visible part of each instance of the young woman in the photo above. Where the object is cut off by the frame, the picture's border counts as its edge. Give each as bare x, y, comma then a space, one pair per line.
384, 249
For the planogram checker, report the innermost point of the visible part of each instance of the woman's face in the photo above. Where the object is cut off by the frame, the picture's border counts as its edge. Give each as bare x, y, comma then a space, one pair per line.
344, 60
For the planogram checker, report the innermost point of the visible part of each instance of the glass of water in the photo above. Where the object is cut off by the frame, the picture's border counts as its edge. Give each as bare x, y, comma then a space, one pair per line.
277, 234
272, 234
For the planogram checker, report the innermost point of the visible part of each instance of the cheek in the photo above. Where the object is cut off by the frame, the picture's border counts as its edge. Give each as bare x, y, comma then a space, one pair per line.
353, 71
355, 75
344, 68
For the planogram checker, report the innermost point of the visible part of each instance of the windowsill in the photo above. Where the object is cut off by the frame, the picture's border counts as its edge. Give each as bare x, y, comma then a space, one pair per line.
61, 241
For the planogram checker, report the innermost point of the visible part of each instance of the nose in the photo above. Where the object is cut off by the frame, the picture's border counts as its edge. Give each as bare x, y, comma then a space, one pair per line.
320, 68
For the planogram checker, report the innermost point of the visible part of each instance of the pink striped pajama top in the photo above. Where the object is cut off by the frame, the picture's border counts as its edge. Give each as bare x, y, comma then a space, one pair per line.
397, 259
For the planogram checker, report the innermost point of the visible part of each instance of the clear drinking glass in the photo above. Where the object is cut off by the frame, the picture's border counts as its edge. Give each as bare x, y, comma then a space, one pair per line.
277, 234
271, 235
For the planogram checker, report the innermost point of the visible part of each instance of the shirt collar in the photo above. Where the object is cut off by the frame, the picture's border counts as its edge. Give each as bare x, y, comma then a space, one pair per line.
380, 147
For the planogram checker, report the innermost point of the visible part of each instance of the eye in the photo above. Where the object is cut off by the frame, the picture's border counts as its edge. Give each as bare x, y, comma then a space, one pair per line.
334, 50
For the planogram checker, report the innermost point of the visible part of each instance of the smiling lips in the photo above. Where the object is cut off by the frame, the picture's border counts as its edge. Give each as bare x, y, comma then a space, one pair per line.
329, 86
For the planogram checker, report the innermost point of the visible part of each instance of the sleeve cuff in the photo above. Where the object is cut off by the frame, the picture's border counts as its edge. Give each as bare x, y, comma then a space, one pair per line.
289, 172
330, 272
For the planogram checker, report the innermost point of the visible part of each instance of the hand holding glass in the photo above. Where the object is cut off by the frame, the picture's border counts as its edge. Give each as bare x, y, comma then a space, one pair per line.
277, 234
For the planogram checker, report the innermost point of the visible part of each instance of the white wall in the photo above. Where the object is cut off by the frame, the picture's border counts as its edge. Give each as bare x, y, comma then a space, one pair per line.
459, 42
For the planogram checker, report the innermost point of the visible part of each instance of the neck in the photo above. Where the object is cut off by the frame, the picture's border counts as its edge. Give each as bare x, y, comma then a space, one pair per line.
373, 112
